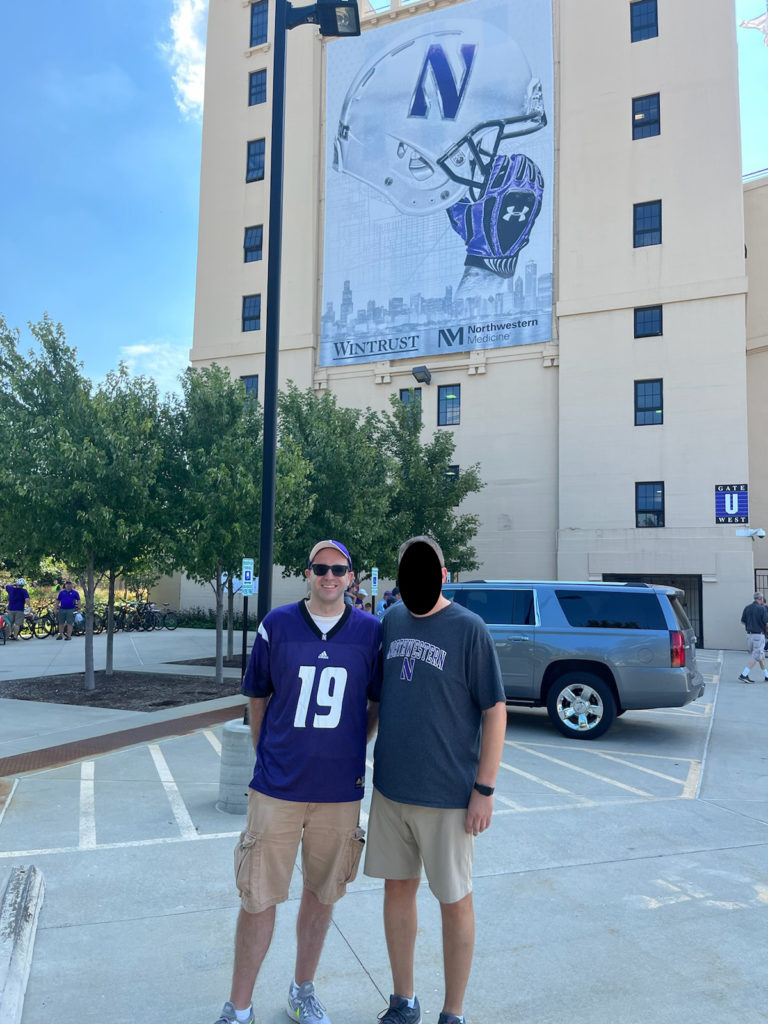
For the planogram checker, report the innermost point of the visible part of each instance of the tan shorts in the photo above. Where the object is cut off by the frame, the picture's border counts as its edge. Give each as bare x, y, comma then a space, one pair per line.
402, 837
331, 844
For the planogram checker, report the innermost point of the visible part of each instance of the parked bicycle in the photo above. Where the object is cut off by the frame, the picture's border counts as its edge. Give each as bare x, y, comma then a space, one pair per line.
165, 619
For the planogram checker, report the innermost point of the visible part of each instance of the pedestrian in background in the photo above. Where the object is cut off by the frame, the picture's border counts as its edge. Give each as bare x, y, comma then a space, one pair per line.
67, 605
18, 604
755, 619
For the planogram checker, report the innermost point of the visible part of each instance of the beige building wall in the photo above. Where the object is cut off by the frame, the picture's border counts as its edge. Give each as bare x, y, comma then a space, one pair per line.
552, 424
756, 223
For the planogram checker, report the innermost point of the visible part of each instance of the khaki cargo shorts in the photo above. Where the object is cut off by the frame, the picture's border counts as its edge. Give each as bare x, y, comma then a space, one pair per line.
331, 845
756, 646
402, 837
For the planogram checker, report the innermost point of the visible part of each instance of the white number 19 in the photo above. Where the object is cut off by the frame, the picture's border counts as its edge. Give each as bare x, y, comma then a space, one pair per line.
330, 694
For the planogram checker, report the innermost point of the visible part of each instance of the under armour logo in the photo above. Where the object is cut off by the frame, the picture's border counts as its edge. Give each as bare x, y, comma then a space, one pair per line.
520, 214
322, 655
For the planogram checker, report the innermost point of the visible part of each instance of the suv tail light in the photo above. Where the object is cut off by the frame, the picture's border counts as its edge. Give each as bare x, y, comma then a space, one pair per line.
677, 648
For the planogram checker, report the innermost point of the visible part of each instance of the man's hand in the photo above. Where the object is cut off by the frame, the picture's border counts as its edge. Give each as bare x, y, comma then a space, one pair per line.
478, 813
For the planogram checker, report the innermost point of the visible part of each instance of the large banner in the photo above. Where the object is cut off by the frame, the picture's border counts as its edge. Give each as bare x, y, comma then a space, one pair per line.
438, 184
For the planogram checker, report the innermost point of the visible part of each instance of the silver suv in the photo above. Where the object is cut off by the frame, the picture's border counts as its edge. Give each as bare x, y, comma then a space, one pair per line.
587, 651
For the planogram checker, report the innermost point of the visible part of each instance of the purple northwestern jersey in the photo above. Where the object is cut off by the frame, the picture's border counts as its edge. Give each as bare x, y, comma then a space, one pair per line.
312, 740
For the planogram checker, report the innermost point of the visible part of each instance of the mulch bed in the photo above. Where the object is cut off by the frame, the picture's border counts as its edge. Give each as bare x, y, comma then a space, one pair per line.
124, 691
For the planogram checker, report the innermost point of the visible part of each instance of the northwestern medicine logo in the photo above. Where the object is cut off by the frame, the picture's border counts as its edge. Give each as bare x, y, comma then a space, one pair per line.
480, 334
450, 94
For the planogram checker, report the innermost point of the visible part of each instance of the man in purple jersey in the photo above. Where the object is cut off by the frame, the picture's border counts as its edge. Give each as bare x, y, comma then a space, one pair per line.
18, 604
67, 606
313, 683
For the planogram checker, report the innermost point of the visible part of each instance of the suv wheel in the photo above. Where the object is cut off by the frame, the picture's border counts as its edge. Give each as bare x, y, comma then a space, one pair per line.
581, 705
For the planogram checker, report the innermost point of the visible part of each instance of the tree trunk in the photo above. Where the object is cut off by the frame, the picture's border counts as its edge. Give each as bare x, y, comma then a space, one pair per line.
230, 617
219, 625
90, 586
110, 625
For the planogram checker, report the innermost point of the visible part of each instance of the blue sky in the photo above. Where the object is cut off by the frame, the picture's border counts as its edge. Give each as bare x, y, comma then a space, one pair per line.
101, 124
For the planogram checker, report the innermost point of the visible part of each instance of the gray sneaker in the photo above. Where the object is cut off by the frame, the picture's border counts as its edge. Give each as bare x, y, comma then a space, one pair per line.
400, 1012
304, 1006
228, 1015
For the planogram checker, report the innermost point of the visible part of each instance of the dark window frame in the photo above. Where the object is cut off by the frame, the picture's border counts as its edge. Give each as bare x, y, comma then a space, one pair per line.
405, 394
251, 385
649, 402
259, 22
251, 314
257, 87
646, 115
253, 243
448, 405
653, 511
645, 320
646, 223
256, 161
643, 20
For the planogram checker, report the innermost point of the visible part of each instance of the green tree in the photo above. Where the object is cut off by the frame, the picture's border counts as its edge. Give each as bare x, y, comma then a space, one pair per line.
218, 476
425, 492
349, 481
82, 465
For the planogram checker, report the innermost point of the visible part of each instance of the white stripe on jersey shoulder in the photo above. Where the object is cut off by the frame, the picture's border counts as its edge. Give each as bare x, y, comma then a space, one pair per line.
262, 632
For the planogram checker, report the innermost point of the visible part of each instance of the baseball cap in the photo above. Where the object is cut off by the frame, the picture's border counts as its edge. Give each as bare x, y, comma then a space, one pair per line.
337, 545
20, 582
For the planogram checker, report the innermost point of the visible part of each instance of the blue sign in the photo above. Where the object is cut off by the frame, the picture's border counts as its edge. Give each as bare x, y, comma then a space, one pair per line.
247, 577
731, 503
374, 581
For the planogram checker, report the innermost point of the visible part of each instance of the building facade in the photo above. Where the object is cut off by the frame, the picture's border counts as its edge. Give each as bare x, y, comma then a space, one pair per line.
614, 444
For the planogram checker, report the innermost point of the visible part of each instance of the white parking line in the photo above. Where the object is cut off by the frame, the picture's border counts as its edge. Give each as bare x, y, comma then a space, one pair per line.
637, 767
575, 768
179, 808
8, 799
213, 739
536, 779
87, 806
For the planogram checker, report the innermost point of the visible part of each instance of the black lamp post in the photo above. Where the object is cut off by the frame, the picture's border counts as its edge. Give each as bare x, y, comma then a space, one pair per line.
334, 18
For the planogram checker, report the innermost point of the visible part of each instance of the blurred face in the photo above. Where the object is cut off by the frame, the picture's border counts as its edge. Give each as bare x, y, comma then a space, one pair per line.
326, 591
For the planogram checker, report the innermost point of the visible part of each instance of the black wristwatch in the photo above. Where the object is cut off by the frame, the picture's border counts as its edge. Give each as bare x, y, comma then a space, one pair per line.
483, 790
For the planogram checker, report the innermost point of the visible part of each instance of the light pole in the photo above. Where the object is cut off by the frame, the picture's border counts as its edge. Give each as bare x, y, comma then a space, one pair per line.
334, 18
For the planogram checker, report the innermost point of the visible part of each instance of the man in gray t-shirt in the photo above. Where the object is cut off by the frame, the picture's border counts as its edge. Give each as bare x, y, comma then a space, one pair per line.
442, 723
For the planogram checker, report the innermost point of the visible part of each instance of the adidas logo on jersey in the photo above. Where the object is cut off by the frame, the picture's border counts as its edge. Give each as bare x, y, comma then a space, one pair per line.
322, 656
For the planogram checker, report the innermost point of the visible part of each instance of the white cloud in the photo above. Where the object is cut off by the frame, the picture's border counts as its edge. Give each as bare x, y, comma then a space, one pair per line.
186, 54
163, 361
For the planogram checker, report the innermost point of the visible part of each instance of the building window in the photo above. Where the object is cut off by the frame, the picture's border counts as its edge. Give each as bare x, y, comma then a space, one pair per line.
448, 405
406, 393
251, 312
647, 223
648, 322
452, 473
643, 19
251, 385
645, 116
255, 168
257, 87
252, 243
649, 402
649, 504
260, 22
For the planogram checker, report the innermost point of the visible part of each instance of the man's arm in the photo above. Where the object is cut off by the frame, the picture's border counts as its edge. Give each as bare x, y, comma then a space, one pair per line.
480, 807
372, 723
257, 707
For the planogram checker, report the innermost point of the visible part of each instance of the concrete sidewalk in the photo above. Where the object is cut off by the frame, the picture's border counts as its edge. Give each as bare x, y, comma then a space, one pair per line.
615, 910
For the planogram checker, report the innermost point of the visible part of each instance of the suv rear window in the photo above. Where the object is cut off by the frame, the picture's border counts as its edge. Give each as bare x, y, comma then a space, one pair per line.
680, 614
497, 607
612, 610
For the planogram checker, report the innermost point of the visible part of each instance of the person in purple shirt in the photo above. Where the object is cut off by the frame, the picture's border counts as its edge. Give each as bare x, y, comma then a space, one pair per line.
313, 684
18, 604
67, 604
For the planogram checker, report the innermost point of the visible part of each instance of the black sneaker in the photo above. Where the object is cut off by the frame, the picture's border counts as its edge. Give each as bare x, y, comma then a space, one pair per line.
745, 679
400, 1012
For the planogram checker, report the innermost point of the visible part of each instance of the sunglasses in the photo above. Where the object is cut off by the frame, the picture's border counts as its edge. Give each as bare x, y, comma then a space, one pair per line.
319, 569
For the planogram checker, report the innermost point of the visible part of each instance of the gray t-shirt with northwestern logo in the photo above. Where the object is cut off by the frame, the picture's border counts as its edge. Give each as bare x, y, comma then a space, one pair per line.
440, 673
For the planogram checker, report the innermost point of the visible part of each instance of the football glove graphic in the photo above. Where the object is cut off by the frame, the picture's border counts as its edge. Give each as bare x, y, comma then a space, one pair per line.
497, 224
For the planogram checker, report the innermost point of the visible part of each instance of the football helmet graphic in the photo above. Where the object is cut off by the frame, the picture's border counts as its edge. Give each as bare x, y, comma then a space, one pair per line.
422, 123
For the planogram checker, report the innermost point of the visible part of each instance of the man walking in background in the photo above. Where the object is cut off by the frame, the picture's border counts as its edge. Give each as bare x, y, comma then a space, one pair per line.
755, 619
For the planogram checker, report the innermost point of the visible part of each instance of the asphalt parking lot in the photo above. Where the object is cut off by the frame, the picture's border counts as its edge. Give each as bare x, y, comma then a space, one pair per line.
622, 880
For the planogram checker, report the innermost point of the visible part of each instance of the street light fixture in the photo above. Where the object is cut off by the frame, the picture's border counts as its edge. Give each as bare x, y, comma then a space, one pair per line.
334, 18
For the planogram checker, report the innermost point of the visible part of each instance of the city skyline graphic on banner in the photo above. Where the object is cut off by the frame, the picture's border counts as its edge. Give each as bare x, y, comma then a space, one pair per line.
438, 213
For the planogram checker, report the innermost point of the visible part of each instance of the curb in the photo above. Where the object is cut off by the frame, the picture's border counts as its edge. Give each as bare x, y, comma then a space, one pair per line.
19, 912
